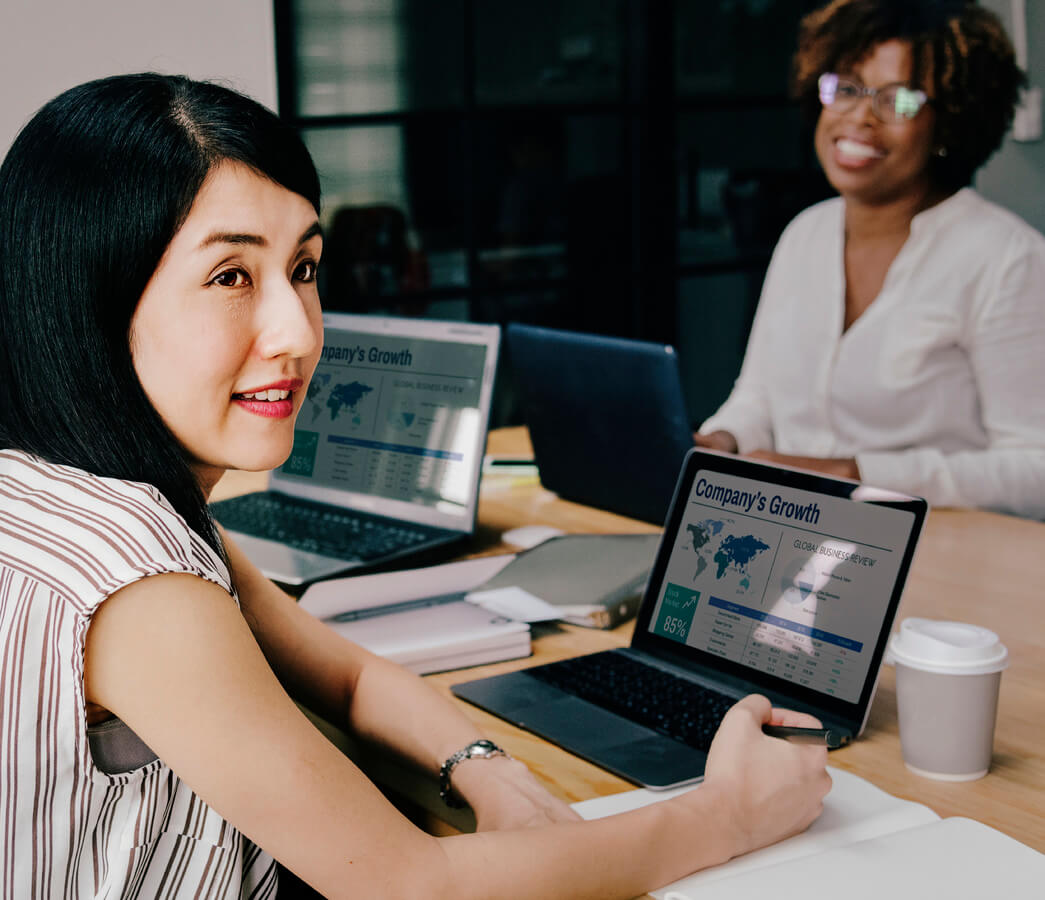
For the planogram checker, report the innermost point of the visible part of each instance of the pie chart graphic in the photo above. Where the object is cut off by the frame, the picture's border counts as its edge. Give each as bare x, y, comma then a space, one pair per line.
798, 581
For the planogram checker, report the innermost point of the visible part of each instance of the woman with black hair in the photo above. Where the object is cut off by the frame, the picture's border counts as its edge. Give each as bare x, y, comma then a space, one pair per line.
160, 322
899, 335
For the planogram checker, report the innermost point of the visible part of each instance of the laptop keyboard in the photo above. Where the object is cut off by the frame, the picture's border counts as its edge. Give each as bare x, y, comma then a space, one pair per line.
316, 528
644, 694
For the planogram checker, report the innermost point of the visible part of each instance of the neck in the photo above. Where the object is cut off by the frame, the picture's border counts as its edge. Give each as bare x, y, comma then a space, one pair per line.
875, 220
207, 476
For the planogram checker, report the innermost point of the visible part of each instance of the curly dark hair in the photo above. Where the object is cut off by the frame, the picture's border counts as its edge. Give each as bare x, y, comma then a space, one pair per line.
962, 58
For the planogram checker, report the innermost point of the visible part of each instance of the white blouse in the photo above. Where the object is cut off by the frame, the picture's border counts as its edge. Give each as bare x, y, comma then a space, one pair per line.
938, 389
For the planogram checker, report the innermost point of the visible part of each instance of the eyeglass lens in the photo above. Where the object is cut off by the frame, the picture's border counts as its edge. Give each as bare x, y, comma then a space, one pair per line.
892, 103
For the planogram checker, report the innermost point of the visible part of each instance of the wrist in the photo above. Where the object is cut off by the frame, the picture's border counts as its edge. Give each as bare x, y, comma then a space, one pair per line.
721, 440
847, 468
458, 774
716, 804
483, 783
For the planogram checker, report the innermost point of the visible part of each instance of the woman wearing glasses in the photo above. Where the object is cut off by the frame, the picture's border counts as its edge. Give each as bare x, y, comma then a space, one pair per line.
899, 335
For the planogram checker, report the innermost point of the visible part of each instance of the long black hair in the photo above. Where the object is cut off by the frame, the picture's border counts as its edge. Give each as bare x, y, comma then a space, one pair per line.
91, 193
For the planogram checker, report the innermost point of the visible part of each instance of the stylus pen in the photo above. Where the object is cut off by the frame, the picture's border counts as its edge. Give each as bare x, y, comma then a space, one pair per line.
827, 736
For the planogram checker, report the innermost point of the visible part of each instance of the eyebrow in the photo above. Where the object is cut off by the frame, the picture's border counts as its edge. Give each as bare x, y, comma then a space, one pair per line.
255, 240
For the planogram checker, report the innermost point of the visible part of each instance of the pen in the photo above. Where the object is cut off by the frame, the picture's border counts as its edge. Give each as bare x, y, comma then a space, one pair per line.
828, 736
370, 612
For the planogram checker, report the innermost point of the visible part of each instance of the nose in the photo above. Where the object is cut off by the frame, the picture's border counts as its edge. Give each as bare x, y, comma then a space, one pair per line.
288, 321
862, 110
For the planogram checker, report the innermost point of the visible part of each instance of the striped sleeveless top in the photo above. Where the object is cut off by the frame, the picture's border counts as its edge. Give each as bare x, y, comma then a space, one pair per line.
69, 539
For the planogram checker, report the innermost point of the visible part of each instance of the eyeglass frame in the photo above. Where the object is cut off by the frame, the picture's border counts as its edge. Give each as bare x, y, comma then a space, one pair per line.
865, 91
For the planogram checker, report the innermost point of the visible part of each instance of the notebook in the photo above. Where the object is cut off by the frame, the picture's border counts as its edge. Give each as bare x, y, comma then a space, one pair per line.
865, 839
388, 448
594, 580
767, 579
606, 416
419, 617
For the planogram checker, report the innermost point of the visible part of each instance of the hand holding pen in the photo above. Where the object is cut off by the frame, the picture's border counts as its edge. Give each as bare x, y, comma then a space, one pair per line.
830, 738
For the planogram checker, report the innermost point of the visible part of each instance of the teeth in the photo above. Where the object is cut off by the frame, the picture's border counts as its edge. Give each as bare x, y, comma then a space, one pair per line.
857, 149
269, 395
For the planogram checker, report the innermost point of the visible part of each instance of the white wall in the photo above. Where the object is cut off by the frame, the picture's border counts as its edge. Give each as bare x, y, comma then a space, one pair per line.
1015, 175
47, 46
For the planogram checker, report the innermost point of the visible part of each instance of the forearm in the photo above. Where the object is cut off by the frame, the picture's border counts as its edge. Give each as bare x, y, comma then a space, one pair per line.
396, 709
619, 856
836, 467
378, 700
1007, 480
428, 728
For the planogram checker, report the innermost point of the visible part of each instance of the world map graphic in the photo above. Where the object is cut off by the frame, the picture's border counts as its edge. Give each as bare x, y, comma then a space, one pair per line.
728, 552
324, 394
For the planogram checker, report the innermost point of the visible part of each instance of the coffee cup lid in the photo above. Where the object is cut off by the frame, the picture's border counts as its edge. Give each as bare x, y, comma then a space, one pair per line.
948, 647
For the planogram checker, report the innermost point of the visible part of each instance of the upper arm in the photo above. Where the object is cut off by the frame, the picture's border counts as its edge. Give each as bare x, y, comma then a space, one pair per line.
173, 657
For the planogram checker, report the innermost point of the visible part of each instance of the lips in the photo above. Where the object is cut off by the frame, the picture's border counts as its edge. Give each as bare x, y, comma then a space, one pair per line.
267, 409
271, 401
283, 384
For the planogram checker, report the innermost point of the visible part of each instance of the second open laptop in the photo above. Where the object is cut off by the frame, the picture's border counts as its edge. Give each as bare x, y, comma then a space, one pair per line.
767, 580
606, 416
387, 452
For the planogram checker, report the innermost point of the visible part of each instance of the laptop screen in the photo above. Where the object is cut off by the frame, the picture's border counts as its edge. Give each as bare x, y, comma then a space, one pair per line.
796, 578
395, 418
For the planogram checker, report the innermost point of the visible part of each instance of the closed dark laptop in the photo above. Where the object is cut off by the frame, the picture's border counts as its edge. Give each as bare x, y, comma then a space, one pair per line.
606, 417
767, 580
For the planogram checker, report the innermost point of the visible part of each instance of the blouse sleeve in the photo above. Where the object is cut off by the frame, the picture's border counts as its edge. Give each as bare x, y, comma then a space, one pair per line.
746, 412
1005, 342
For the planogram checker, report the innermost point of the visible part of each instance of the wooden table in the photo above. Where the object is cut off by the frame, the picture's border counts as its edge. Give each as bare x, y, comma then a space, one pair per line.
971, 566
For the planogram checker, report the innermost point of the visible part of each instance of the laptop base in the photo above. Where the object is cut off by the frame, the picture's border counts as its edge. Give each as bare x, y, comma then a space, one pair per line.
633, 752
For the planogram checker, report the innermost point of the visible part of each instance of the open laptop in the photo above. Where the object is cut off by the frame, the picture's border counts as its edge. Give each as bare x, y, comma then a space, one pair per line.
387, 453
606, 416
767, 579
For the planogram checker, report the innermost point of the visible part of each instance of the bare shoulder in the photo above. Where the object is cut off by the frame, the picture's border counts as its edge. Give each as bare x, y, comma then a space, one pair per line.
142, 633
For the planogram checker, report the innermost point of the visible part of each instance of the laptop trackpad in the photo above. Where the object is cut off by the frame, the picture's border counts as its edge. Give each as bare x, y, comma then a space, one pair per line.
601, 737
575, 723
285, 564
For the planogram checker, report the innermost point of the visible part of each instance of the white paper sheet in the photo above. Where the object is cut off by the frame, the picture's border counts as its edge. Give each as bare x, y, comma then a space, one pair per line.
515, 603
854, 810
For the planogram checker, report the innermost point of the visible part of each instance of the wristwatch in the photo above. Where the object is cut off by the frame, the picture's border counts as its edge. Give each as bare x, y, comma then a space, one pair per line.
481, 749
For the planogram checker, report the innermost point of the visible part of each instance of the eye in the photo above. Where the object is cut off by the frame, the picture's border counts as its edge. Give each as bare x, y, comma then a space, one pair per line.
846, 90
906, 102
231, 278
306, 271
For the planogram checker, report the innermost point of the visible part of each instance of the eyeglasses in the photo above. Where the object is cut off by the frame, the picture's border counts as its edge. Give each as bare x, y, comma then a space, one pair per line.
891, 104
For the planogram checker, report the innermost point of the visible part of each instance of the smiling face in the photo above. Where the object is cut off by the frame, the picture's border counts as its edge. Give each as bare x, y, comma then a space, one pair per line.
229, 328
867, 160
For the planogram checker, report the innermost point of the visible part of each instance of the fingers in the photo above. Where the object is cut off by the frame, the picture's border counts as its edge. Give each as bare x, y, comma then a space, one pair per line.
565, 814
764, 712
716, 440
757, 706
794, 719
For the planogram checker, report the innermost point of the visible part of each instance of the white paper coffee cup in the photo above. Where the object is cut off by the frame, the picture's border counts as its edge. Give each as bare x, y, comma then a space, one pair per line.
947, 680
